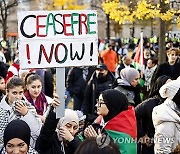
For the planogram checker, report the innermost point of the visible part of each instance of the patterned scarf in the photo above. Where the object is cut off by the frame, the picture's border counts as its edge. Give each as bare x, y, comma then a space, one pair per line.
30, 151
40, 103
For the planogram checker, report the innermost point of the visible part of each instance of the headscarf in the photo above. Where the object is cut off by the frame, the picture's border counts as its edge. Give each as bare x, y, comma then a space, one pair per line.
158, 84
129, 74
17, 129
70, 116
116, 102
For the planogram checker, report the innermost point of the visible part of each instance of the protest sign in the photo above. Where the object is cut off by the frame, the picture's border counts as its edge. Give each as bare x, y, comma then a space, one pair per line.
57, 38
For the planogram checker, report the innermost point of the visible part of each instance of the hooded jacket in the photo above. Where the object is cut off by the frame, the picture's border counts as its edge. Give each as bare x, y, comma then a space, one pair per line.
166, 121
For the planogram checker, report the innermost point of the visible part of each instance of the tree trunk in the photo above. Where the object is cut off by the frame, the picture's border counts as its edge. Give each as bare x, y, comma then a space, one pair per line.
162, 28
108, 27
162, 44
4, 29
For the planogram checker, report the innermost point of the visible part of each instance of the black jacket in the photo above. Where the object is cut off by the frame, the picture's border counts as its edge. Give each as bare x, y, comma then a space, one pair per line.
121, 66
3, 69
93, 89
144, 117
48, 142
75, 83
165, 69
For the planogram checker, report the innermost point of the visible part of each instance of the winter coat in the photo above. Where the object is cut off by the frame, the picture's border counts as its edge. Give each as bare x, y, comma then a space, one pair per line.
48, 142
166, 121
93, 89
132, 93
7, 114
144, 117
3, 69
76, 83
165, 69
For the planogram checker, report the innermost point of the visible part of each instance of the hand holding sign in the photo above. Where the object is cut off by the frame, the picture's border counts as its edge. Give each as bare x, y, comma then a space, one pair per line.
58, 39
55, 101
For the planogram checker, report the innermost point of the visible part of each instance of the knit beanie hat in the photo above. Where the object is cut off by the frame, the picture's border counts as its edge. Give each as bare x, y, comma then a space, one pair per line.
17, 129
129, 74
170, 89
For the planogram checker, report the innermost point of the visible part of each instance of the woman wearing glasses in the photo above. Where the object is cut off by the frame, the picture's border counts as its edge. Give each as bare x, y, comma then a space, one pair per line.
117, 120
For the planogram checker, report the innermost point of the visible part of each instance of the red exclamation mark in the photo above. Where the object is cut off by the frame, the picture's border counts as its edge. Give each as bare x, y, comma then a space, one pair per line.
28, 53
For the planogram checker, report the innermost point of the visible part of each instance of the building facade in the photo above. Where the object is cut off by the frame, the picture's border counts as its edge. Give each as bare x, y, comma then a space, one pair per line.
127, 30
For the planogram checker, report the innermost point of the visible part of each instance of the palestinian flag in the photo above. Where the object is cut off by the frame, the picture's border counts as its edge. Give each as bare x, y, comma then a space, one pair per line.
139, 60
139, 56
123, 130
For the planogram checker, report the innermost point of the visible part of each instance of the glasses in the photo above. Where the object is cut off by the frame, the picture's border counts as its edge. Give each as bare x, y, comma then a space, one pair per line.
100, 102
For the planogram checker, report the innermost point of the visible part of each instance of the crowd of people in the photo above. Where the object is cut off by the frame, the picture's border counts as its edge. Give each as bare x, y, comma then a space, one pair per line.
117, 107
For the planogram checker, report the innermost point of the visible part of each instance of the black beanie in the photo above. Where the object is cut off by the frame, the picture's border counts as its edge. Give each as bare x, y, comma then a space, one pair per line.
17, 129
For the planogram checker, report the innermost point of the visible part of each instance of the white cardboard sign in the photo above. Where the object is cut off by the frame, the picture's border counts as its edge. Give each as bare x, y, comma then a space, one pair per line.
57, 38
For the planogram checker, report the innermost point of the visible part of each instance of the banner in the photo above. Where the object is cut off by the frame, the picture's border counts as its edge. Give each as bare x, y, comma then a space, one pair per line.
57, 38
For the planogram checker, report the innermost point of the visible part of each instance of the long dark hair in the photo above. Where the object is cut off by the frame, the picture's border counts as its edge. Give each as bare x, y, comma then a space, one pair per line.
15, 82
90, 146
157, 85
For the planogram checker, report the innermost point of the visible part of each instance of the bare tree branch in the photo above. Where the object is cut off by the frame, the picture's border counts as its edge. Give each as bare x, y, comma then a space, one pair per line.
98, 7
14, 3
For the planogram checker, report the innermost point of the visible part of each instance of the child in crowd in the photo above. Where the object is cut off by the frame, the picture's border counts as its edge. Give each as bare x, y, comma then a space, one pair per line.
14, 106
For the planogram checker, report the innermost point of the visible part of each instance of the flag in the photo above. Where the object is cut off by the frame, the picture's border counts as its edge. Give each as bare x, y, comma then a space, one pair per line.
101, 44
123, 130
139, 56
139, 60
